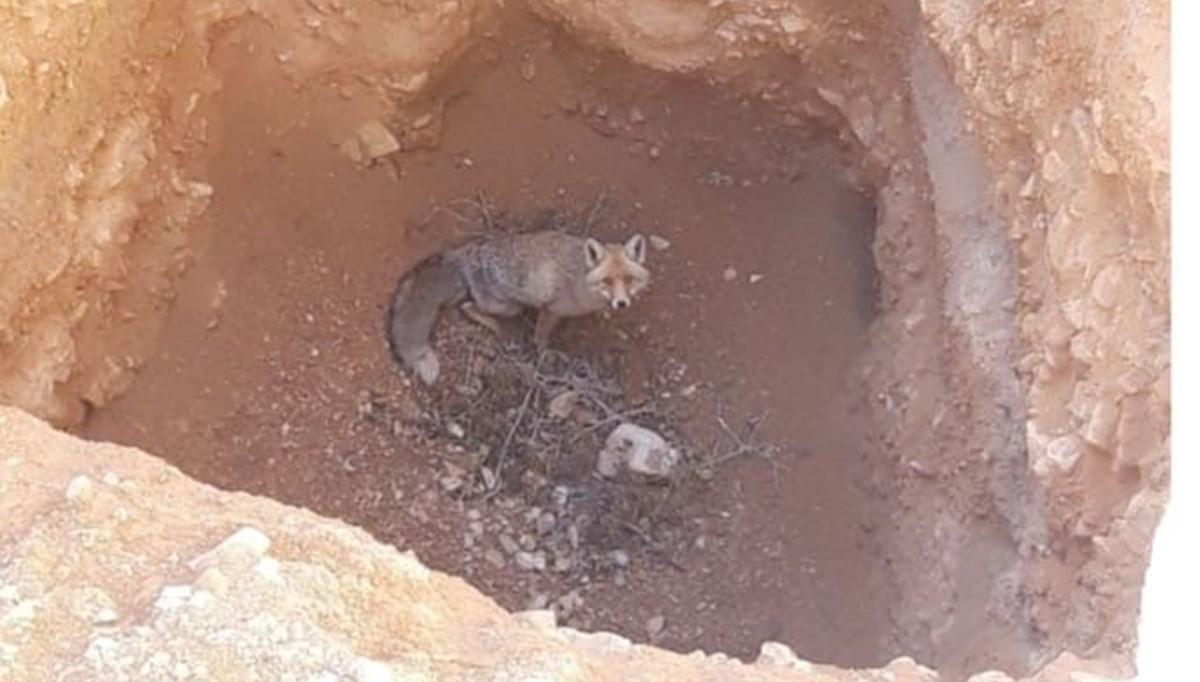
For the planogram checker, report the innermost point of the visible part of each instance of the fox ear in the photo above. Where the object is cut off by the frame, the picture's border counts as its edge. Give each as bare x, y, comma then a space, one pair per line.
635, 248
593, 251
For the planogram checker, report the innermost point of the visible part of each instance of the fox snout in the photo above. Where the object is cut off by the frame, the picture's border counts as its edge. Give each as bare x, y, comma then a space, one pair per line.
620, 302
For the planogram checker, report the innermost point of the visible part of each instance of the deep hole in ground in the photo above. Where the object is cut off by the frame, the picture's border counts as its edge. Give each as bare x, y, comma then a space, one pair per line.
1014, 469
758, 306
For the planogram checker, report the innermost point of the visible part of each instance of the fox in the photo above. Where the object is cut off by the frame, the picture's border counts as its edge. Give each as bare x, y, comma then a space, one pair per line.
556, 273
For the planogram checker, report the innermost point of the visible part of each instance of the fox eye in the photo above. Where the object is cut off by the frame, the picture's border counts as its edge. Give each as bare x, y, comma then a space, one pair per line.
608, 281
628, 280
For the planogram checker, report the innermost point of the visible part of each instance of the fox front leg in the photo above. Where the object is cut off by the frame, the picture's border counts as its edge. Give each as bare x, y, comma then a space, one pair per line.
471, 310
546, 322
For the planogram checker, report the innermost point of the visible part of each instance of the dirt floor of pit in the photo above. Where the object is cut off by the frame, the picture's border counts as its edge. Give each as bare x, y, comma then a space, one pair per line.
272, 370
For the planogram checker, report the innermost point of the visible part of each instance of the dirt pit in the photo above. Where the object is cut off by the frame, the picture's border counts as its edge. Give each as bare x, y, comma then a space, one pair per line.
907, 326
763, 290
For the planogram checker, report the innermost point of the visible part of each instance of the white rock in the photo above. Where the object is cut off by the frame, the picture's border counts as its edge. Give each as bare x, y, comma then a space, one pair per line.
659, 243
543, 619
246, 539
80, 488
269, 568
367, 670
781, 655
173, 597
639, 449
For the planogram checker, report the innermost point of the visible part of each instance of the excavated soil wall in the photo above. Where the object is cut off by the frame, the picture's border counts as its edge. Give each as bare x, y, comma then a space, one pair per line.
1010, 393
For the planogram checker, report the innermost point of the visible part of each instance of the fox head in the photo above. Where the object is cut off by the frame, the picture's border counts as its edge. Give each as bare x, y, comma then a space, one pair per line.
616, 271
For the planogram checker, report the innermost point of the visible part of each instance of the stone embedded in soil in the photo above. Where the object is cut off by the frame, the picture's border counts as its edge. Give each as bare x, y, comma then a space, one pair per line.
546, 523
639, 449
367, 670
544, 619
377, 140
173, 597
659, 243
990, 676
494, 558
782, 656
655, 626
80, 488
531, 561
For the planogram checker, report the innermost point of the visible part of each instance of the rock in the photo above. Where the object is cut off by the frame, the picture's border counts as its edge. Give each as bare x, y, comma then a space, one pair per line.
241, 550
781, 656
528, 69
367, 670
639, 449
659, 243
80, 488
544, 619
755, 278
531, 561
793, 23
655, 626
508, 544
214, 581
990, 676
173, 597
494, 558
375, 140
545, 523
730, 274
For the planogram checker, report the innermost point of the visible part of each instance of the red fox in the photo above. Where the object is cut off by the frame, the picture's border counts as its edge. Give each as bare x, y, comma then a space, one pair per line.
558, 274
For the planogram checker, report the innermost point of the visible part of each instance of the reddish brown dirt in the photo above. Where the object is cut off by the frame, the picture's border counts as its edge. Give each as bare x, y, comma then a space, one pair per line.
277, 341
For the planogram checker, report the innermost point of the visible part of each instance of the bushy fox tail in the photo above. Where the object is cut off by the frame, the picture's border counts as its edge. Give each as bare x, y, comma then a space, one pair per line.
418, 297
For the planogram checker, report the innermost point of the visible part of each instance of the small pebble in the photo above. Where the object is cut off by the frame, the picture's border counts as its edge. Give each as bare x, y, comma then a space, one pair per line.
173, 597
531, 561
509, 545
80, 488
546, 523
494, 558
655, 626
246, 538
